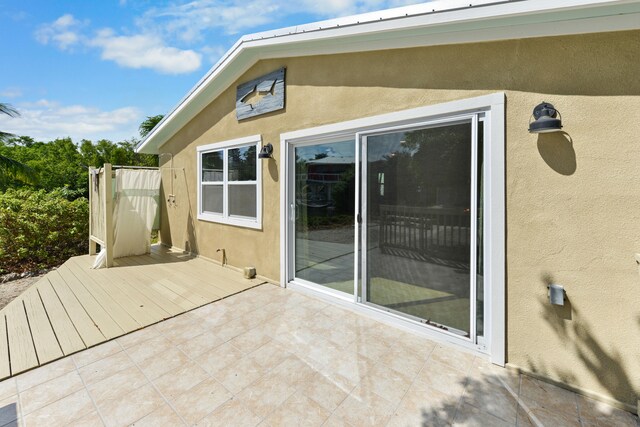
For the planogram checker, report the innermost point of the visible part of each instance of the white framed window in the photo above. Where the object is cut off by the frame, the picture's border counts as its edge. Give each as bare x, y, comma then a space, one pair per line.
230, 182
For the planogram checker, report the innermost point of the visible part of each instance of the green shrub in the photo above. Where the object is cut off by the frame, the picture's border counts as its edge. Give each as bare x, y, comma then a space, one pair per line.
40, 229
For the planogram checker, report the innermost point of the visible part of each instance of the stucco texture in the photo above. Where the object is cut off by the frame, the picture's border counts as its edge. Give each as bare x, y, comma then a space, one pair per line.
572, 198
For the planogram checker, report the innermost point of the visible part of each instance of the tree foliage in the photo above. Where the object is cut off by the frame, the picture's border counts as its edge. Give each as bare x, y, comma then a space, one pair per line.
63, 164
11, 169
40, 229
149, 123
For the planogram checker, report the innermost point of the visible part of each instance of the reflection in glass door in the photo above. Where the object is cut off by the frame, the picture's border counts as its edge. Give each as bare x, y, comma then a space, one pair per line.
419, 241
323, 205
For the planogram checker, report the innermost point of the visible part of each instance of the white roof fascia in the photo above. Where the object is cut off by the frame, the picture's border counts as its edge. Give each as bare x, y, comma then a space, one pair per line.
404, 27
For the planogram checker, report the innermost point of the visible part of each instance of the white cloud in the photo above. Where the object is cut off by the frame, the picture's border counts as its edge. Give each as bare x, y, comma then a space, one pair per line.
142, 50
155, 41
11, 92
192, 20
145, 51
64, 32
46, 120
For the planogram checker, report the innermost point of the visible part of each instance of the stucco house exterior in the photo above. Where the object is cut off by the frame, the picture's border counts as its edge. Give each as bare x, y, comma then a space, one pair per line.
386, 163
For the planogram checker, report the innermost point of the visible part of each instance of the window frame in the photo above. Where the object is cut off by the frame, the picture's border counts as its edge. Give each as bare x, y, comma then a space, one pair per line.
225, 217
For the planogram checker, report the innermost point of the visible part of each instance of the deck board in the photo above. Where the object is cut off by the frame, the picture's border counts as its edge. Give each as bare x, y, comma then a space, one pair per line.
21, 349
5, 367
76, 307
82, 321
44, 339
143, 310
93, 306
68, 337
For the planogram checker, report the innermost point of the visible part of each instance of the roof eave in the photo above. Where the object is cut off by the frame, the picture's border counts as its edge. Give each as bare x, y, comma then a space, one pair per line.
505, 20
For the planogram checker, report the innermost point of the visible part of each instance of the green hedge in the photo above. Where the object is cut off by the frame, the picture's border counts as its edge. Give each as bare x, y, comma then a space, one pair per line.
40, 229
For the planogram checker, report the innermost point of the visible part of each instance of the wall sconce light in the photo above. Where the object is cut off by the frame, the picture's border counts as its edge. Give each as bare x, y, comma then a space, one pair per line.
265, 151
546, 120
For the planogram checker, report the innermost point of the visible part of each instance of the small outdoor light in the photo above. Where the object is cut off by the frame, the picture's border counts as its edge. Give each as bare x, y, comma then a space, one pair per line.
265, 151
545, 119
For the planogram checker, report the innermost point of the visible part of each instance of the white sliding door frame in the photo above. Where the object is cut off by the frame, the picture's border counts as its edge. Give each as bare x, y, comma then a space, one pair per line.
492, 107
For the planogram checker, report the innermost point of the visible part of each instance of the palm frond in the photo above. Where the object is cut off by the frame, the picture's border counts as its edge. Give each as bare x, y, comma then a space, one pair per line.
8, 110
13, 169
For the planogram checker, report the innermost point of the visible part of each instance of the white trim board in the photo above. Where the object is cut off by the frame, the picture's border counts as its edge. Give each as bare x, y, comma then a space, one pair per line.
410, 26
494, 200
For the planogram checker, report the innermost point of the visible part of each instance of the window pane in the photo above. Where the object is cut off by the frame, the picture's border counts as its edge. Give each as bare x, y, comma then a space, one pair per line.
212, 165
212, 198
242, 164
242, 200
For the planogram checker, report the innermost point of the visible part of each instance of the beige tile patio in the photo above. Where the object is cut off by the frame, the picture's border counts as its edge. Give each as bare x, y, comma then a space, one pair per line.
424, 405
44, 373
201, 400
8, 388
443, 378
62, 412
265, 395
105, 367
163, 416
601, 414
92, 419
120, 383
544, 398
470, 416
363, 407
146, 349
452, 357
240, 374
295, 362
43, 394
200, 344
327, 390
124, 409
219, 358
298, 410
176, 382
492, 399
251, 340
161, 363
96, 353
129, 340
232, 413
386, 383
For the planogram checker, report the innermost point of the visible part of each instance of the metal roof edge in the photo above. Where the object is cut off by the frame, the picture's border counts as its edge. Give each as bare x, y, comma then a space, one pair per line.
397, 19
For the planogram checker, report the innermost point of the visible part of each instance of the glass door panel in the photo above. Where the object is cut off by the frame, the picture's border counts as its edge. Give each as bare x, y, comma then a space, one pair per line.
417, 243
324, 196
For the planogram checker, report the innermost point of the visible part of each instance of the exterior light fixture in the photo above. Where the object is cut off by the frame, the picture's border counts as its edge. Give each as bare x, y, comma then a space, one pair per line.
546, 120
265, 151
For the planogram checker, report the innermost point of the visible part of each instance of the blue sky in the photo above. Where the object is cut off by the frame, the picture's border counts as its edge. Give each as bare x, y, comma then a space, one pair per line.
96, 69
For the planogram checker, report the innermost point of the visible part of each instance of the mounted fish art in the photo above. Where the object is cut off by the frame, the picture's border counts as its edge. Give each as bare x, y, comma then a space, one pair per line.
262, 95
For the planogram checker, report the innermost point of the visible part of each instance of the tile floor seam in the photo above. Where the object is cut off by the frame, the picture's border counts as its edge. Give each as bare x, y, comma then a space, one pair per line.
156, 390
464, 388
95, 405
21, 414
415, 377
339, 404
520, 402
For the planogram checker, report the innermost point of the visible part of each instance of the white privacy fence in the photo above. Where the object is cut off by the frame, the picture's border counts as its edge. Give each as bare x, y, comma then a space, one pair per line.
124, 209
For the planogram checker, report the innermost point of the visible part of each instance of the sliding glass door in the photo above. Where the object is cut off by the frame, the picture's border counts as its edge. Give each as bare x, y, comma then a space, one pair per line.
393, 219
323, 214
419, 234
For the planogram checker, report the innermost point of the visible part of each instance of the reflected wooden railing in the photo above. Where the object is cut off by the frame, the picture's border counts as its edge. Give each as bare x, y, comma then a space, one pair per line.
441, 232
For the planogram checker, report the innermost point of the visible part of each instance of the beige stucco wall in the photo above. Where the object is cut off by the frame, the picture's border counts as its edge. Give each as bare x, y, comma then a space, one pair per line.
573, 199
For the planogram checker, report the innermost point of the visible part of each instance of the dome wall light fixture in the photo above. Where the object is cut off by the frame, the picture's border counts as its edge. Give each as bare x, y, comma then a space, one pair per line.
265, 151
546, 119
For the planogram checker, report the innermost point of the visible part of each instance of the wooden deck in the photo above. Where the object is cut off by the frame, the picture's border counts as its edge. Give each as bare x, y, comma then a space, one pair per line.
74, 307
